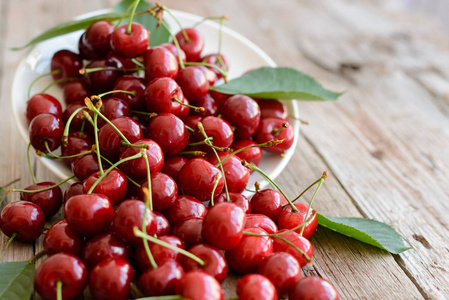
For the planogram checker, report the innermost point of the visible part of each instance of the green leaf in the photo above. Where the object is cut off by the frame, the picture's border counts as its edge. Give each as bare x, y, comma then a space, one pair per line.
372, 232
157, 36
278, 83
16, 280
2, 194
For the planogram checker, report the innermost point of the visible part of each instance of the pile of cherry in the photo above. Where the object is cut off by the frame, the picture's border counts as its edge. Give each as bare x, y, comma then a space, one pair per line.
158, 208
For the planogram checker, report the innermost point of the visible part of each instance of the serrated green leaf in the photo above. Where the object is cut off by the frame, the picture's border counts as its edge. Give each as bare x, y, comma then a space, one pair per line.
16, 280
372, 232
278, 83
157, 36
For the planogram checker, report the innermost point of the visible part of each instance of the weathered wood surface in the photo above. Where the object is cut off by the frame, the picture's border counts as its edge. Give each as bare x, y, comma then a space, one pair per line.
384, 143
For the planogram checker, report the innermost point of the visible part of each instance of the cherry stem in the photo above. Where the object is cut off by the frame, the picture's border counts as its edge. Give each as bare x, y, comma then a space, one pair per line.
194, 153
58, 71
213, 190
58, 81
168, 297
276, 131
149, 197
29, 164
8, 243
11, 183
140, 234
135, 289
184, 33
200, 143
59, 290
128, 30
221, 71
189, 128
111, 163
142, 146
37, 256
251, 191
62, 157
195, 108
90, 70
321, 180
97, 145
133, 93
138, 63
150, 114
41, 190
210, 18
148, 205
138, 155
67, 125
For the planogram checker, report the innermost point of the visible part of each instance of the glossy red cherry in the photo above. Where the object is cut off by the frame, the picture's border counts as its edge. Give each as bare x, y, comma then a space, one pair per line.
111, 279
95, 42
42, 103
114, 185
78, 120
46, 128
219, 98
77, 142
159, 95
248, 254
60, 238
162, 280
255, 287
74, 189
130, 44
272, 128
49, 201
75, 91
164, 191
300, 242
193, 46
88, 215
261, 221
132, 84
313, 287
184, 111
268, 202
162, 224
160, 62
193, 82
243, 113
272, 109
173, 165
288, 219
172, 48
62, 267
211, 77
236, 174
238, 199
185, 207
67, 63
199, 286
251, 155
114, 107
84, 166
24, 218
214, 262
218, 60
160, 254
218, 129
197, 178
189, 231
282, 269
102, 81
210, 108
169, 132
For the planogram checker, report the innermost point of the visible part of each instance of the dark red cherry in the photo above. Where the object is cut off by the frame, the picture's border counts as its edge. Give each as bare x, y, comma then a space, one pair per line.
248, 254
298, 240
46, 128
193, 45
172, 48
67, 63
236, 174
42, 103
75, 91
84, 166
272, 128
95, 42
288, 219
111, 279
261, 221
193, 83
185, 207
162, 280
159, 95
114, 185
130, 44
313, 287
88, 215
193, 120
214, 262
197, 178
223, 225
160, 62
173, 165
77, 121
251, 155
190, 231
282, 269
162, 224
218, 60
103, 81
129, 214
160, 253
169, 132
219, 98
243, 113
184, 111
272, 109
114, 107
49, 201
218, 129
62, 267
77, 142
208, 103
254, 287
74, 189
134, 84
268, 202
60, 238
238, 199
199, 286
164, 191
24, 218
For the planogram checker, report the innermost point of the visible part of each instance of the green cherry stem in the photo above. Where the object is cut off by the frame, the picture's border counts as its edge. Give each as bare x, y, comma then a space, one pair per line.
62, 157
58, 81
97, 144
323, 177
11, 183
58, 71
221, 71
111, 163
168, 297
67, 125
138, 63
90, 70
139, 233
41, 190
194, 153
132, 93
135, 289
13, 236
184, 33
59, 290
149, 197
213, 190
200, 143
149, 114
37, 256
128, 29
195, 108
29, 164
189, 128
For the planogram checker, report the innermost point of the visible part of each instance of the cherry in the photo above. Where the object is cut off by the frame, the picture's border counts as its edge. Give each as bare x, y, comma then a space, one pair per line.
24, 218
174, 51
68, 63
61, 267
272, 128
111, 279
193, 82
95, 42
77, 142
218, 129
160, 254
243, 113
288, 220
193, 120
84, 166
214, 262
129, 44
299, 241
208, 103
255, 287
129, 214
169, 132
114, 107
268, 202
185, 110
77, 121
162, 280
211, 77
164, 191
213, 60
199, 286
74, 189
162, 224
102, 81
185, 207
261, 221
251, 155
137, 168
159, 95
190, 231
313, 287
60, 238
236, 174
75, 91
132, 84
88, 215
219, 98
173, 165
42, 103
193, 46
114, 185
223, 225
160, 62
282, 269
46, 128
238, 199
273, 109
197, 178
49, 201
248, 254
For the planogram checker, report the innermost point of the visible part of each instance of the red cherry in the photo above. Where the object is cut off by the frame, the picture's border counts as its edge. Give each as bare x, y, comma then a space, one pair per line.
74, 189
251, 155
43, 103
300, 242
46, 128
77, 142
213, 59
24, 218
164, 191
185, 207
84, 166
173, 165
160, 62
160, 254
103, 81
95, 42
219, 98
214, 262
78, 120
268, 202
111, 280
243, 113
190, 231
60, 238
273, 109
313, 287
261, 221
132, 84
193, 83
159, 95
255, 287
114, 107
172, 48
238, 199
218, 129
114, 185
88, 215
288, 219
162, 280
211, 77
236, 174
162, 224
62, 267
184, 111
199, 286
49, 201
208, 103
169, 132
68, 63
193, 46
269, 129
75, 91
282, 269
130, 44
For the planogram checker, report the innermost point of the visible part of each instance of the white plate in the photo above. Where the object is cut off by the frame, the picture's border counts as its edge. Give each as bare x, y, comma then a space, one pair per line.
242, 55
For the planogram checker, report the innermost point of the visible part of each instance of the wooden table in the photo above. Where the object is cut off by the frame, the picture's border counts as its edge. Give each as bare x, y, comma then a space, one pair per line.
383, 143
